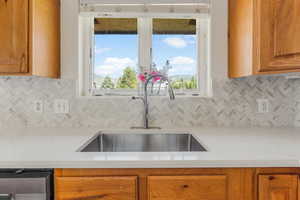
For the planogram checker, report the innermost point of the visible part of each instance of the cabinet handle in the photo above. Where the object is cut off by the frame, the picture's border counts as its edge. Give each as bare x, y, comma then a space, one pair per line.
185, 186
271, 178
22, 63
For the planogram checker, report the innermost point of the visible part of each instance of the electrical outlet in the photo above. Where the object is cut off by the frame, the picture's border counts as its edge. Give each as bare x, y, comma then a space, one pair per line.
61, 106
263, 105
38, 106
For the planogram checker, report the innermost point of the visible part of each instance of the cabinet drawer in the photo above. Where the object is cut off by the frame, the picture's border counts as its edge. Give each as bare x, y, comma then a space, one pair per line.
187, 187
93, 188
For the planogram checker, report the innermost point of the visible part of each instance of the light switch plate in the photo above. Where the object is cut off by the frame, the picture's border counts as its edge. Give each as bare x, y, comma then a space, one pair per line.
61, 106
263, 105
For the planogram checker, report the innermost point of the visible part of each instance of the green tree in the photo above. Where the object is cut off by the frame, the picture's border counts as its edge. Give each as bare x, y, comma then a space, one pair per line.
184, 84
107, 83
128, 79
192, 84
177, 84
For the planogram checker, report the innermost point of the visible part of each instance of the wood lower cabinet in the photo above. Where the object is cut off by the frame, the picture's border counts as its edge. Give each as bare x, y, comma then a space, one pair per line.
153, 184
187, 187
264, 37
178, 184
278, 187
30, 38
93, 188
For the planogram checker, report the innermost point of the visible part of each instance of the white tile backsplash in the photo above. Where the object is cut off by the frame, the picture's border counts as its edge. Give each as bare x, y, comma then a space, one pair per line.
233, 104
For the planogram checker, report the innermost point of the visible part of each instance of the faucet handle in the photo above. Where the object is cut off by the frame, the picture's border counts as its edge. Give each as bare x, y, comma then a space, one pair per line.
132, 99
138, 98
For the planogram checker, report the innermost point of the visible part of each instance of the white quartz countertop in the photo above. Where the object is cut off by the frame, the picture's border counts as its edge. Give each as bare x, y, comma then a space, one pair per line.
227, 147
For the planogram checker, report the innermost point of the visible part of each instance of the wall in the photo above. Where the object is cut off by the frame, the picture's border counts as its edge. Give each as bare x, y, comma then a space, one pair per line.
233, 103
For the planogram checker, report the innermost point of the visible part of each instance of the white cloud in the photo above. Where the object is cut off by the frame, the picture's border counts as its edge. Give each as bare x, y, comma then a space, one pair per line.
104, 70
190, 39
181, 60
182, 71
182, 65
114, 66
176, 42
101, 50
119, 62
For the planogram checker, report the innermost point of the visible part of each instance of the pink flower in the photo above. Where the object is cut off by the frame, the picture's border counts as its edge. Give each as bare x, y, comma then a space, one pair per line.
157, 78
142, 77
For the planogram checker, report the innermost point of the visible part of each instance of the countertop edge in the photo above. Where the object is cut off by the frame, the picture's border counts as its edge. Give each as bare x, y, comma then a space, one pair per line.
151, 164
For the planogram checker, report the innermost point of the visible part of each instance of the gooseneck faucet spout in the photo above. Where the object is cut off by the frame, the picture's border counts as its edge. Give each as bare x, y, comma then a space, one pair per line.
145, 98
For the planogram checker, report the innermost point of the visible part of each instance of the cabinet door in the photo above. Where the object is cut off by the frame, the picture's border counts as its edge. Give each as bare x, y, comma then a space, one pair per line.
45, 38
93, 188
187, 188
14, 36
278, 36
278, 187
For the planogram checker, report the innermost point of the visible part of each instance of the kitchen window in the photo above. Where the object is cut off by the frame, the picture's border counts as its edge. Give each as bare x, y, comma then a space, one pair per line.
119, 46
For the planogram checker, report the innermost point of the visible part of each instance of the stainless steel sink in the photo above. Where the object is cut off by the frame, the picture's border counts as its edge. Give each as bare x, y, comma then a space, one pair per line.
143, 143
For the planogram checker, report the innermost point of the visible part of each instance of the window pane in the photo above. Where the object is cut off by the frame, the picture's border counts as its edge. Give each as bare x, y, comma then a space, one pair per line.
116, 53
175, 51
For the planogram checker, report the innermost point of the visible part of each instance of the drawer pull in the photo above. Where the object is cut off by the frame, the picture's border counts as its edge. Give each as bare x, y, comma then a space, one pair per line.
91, 197
271, 178
185, 186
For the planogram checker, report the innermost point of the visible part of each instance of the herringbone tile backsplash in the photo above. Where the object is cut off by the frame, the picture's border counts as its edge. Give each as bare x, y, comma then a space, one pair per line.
233, 104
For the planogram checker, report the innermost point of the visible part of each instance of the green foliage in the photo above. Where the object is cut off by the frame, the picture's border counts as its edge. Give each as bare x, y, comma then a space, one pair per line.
184, 84
128, 79
107, 83
192, 84
178, 84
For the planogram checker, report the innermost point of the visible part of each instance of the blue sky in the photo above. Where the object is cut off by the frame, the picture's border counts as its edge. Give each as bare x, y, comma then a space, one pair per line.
113, 53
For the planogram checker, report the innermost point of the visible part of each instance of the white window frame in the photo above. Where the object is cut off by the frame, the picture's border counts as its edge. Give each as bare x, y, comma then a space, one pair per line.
144, 54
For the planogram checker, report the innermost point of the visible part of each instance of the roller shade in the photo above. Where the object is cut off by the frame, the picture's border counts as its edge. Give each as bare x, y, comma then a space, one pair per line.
145, 7
129, 26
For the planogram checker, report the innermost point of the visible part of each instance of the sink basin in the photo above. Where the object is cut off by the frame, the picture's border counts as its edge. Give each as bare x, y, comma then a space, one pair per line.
143, 143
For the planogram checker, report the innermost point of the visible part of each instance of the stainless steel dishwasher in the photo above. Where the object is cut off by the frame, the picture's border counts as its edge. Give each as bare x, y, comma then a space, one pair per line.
26, 184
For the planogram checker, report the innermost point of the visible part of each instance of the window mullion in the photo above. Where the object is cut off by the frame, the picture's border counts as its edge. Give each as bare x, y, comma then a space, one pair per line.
87, 42
145, 43
202, 46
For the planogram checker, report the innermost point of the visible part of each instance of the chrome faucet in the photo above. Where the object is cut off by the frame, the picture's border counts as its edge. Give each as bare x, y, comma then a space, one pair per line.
145, 97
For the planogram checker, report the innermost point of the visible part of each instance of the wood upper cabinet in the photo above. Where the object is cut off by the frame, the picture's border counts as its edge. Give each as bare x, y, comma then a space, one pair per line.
278, 187
94, 188
30, 37
279, 32
264, 37
187, 187
14, 36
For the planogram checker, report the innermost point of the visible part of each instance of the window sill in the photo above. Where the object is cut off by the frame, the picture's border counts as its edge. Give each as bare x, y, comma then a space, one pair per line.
128, 96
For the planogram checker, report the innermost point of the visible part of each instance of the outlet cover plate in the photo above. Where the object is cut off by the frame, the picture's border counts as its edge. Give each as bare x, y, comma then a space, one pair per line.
61, 106
263, 105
